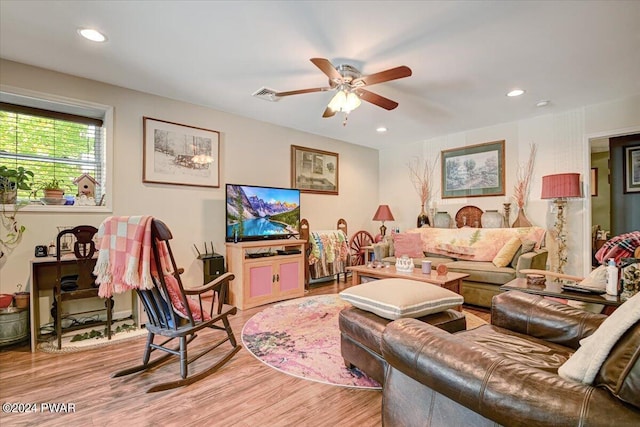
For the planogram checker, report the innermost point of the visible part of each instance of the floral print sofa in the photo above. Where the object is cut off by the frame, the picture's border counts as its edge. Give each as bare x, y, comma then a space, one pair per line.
491, 256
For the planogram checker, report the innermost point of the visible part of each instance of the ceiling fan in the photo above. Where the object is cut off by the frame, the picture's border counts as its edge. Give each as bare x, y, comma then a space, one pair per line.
350, 84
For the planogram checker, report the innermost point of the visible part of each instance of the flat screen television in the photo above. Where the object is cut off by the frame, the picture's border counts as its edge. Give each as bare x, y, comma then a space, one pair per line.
261, 213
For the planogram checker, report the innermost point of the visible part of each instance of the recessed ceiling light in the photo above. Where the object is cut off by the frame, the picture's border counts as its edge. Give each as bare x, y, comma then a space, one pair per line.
381, 129
542, 103
91, 34
515, 92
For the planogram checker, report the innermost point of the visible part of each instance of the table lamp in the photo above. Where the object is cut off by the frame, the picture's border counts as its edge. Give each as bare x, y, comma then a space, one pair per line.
383, 214
561, 187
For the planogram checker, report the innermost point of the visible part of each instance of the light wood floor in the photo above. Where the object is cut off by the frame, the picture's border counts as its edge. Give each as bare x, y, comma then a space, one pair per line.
244, 392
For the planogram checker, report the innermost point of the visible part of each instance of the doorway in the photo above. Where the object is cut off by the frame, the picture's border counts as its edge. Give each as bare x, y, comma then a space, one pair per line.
613, 210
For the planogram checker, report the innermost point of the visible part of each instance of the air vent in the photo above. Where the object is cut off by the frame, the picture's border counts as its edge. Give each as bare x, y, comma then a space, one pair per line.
266, 94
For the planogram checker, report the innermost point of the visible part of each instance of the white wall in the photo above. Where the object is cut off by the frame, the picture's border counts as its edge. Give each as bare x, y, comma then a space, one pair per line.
252, 152
562, 146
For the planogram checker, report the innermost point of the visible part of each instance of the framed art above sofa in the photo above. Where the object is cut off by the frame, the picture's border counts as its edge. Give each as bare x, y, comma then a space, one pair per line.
473, 171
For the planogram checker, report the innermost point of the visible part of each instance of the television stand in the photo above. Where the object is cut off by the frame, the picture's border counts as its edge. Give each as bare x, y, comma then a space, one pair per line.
265, 279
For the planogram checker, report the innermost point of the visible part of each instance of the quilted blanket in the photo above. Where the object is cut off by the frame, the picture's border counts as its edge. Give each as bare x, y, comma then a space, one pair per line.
474, 244
329, 253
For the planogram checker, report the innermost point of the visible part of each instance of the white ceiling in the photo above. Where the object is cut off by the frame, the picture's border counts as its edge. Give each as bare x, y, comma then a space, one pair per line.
465, 55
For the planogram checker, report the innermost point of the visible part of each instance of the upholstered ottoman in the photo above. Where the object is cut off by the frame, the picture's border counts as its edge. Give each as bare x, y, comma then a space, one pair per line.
377, 303
361, 334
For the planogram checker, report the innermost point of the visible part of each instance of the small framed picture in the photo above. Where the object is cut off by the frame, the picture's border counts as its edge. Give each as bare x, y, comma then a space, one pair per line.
593, 183
180, 154
632, 169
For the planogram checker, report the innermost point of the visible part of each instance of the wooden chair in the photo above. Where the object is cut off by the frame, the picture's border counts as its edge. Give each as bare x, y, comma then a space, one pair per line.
164, 319
77, 284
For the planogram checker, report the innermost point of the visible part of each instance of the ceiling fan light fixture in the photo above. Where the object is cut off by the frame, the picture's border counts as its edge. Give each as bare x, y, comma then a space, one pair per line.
344, 101
352, 102
338, 101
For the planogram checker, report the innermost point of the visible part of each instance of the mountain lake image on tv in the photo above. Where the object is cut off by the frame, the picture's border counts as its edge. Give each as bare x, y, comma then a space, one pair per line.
261, 213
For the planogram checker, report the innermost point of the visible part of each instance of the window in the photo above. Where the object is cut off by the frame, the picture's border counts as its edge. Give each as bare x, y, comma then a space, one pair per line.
54, 140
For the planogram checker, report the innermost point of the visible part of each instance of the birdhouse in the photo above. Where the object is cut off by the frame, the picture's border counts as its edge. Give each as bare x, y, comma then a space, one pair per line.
86, 185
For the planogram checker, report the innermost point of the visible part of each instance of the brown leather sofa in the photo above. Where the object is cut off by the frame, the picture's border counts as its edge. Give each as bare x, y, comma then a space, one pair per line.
506, 373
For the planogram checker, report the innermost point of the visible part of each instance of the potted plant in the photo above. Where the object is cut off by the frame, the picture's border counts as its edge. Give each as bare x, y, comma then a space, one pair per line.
12, 180
52, 189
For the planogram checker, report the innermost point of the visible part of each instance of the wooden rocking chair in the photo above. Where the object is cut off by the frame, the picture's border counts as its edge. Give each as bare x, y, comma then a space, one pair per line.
164, 319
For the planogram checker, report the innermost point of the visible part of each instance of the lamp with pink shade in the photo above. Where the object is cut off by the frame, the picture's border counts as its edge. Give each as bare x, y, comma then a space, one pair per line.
383, 214
561, 187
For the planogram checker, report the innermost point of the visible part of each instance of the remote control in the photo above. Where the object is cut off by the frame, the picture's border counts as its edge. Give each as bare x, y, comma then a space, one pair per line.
575, 288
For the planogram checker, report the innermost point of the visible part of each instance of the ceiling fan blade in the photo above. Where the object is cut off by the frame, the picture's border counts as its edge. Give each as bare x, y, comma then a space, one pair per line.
328, 112
327, 68
383, 76
376, 99
301, 91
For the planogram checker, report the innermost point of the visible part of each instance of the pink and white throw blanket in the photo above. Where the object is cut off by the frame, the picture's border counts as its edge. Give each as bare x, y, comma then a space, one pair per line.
125, 258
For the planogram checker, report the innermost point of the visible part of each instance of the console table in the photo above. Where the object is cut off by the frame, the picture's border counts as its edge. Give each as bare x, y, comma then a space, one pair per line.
43, 278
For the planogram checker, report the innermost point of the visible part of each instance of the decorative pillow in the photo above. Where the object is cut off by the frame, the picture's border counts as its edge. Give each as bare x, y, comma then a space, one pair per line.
397, 298
176, 301
597, 279
585, 363
527, 246
505, 255
409, 244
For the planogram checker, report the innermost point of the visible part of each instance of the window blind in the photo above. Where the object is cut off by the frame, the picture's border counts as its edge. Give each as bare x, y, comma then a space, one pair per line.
52, 144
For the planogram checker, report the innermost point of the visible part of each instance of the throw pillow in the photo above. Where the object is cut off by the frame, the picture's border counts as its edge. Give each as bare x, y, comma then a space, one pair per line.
176, 301
597, 279
584, 364
527, 246
505, 255
397, 298
409, 244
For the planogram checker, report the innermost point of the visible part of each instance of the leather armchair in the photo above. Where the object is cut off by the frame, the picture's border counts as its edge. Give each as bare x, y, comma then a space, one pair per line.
506, 373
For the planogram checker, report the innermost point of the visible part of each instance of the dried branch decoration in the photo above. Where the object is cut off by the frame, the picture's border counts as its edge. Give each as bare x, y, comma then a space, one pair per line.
521, 189
420, 174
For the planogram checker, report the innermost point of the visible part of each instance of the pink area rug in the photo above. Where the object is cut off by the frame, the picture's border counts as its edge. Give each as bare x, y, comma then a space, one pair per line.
301, 337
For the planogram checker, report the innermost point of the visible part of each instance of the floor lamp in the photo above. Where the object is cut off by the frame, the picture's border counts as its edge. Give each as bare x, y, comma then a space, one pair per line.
561, 187
383, 214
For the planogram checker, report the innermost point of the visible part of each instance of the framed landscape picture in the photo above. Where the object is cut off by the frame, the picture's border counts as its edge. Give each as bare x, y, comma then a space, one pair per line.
473, 171
314, 171
180, 154
632, 169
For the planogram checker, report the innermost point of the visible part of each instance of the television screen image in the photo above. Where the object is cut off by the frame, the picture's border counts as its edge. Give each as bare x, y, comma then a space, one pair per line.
260, 213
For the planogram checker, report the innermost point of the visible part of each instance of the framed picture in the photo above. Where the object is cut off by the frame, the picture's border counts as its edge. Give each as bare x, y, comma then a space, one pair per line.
473, 171
594, 182
632, 169
314, 171
180, 154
